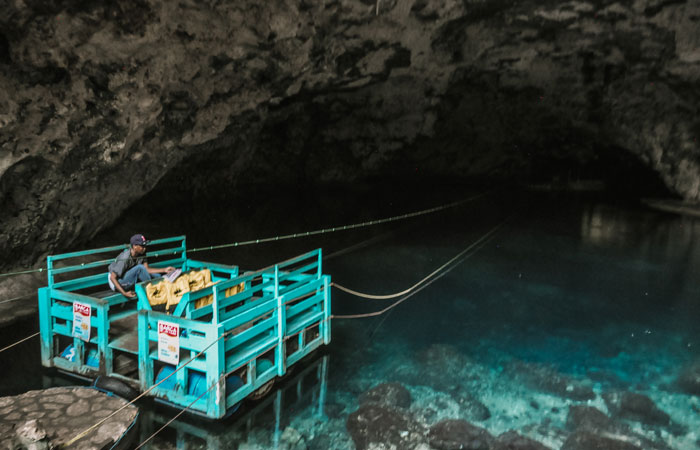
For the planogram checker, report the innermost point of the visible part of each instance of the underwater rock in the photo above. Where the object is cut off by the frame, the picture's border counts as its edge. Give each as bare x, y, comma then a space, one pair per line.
636, 407
291, 439
587, 417
607, 377
333, 410
376, 424
444, 367
590, 419
472, 407
549, 380
586, 440
454, 434
389, 394
513, 441
689, 379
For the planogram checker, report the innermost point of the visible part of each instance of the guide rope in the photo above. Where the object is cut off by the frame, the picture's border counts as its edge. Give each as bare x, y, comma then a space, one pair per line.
343, 227
307, 233
16, 298
19, 342
423, 283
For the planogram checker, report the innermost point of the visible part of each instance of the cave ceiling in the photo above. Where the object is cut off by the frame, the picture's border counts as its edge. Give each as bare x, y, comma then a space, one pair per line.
101, 102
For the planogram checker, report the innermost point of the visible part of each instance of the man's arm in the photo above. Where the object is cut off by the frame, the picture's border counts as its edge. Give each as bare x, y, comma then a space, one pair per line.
119, 288
154, 270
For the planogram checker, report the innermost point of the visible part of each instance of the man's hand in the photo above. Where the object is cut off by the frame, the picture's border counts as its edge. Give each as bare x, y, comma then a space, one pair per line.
169, 269
130, 294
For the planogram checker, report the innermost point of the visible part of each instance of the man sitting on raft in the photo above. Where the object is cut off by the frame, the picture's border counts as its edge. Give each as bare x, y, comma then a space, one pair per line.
131, 267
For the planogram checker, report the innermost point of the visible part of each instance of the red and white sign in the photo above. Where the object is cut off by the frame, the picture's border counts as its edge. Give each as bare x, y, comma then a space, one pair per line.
168, 342
81, 321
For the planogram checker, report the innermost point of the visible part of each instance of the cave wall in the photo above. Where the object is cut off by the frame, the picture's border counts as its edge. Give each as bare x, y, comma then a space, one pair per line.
99, 103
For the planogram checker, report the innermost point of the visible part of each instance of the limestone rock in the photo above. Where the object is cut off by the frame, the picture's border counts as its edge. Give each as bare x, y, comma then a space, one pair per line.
549, 380
592, 420
472, 407
637, 407
454, 434
32, 436
100, 102
373, 424
585, 440
389, 394
513, 441
689, 379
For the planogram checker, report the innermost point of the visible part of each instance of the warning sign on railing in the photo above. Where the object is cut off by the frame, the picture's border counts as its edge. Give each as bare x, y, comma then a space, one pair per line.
168, 342
81, 321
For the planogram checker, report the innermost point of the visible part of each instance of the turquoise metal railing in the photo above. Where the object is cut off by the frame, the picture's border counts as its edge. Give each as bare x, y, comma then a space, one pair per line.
275, 307
281, 315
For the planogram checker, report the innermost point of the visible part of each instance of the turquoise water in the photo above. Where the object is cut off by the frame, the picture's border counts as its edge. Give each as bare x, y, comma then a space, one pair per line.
599, 294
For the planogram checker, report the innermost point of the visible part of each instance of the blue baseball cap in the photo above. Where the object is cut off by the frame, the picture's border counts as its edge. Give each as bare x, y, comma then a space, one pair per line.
138, 239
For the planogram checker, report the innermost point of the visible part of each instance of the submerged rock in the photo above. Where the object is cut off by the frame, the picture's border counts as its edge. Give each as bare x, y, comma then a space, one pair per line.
444, 367
689, 379
636, 407
389, 394
587, 417
586, 440
454, 434
549, 380
472, 407
592, 420
291, 439
513, 441
377, 424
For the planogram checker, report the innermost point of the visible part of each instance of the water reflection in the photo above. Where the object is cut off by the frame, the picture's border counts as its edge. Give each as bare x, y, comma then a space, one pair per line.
263, 424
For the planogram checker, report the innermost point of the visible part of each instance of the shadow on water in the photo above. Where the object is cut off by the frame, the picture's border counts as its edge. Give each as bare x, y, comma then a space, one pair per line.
605, 293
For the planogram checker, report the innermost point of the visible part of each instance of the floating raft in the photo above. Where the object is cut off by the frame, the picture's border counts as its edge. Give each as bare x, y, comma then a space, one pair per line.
204, 342
51, 417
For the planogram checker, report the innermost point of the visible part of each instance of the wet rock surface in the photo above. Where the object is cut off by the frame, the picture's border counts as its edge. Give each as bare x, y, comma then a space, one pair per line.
689, 379
376, 424
585, 440
587, 421
52, 417
455, 434
101, 102
636, 407
513, 441
389, 394
473, 408
549, 380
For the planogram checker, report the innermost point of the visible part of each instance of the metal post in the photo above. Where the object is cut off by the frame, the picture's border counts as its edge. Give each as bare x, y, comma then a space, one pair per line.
281, 328
46, 327
104, 353
49, 267
326, 325
145, 363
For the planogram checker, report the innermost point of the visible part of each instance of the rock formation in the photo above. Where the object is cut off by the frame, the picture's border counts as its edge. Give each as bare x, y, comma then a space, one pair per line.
101, 102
